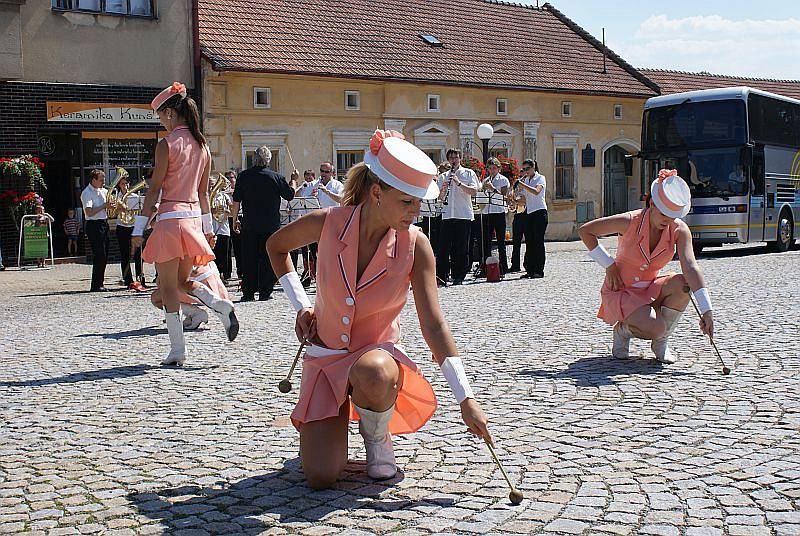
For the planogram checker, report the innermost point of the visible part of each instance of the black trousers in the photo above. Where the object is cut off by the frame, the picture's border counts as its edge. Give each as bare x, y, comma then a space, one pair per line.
453, 257
222, 250
236, 248
97, 232
124, 242
517, 232
476, 252
257, 274
535, 227
495, 223
431, 226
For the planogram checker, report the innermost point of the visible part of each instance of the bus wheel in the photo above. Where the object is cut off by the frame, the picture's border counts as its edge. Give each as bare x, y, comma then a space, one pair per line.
785, 233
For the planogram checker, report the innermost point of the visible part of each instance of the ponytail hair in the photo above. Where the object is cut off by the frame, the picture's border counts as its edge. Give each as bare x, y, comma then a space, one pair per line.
358, 181
186, 107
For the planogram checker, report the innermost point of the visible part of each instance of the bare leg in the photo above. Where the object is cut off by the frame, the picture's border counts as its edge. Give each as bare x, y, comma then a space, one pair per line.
323, 449
672, 294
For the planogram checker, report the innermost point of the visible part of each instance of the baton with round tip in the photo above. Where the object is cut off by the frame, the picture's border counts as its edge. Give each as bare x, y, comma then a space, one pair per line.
285, 384
515, 495
289, 154
725, 369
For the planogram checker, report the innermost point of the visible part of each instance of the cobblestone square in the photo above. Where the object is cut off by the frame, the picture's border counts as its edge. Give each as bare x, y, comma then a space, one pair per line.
95, 437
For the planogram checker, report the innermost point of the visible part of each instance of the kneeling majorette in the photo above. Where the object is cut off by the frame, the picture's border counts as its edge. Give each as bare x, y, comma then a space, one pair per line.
635, 299
194, 316
182, 230
369, 254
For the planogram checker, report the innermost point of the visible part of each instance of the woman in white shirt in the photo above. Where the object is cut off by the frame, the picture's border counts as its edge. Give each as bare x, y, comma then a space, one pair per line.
534, 186
494, 213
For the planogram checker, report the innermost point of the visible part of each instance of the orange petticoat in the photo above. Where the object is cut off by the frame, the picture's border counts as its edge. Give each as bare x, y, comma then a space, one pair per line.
325, 384
176, 239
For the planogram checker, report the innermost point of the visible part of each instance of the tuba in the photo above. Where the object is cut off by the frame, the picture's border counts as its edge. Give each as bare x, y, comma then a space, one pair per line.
127, 215
219, 203
113, 197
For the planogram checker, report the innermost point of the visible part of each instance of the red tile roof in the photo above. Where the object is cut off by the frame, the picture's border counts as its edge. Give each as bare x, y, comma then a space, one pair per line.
486, 43
680, 81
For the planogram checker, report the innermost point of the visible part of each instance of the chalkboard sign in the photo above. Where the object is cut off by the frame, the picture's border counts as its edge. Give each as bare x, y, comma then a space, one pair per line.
588, 156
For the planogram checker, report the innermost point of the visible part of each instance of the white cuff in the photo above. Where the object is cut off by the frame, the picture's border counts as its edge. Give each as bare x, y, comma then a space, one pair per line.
139, 223
703, 300
294, 290
453, 371
601, 256
208, 225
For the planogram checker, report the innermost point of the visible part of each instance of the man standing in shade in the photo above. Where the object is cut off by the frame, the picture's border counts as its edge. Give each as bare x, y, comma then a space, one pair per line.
457, 187
93, 199
259, 191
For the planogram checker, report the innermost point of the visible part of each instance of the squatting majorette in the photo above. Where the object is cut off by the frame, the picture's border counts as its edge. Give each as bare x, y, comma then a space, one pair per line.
369, 254
635, 298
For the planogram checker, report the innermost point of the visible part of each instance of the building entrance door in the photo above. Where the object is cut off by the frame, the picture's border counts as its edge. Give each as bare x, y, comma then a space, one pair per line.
615, 182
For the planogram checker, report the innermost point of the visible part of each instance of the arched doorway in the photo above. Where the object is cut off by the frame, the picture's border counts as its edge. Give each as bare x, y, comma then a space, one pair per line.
620, 190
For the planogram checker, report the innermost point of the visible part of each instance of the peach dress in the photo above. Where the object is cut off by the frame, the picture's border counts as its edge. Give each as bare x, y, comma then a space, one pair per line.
354, 317
177, 231
639, 268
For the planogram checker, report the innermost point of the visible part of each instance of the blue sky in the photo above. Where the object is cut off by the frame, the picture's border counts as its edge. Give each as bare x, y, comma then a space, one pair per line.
756, 38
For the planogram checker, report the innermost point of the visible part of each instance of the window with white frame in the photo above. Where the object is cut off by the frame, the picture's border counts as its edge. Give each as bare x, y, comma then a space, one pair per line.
566, 109
262, 97
502, 107
352, 100
345, 160
348, 149
434, 102
565, 173
136, 8
617, 111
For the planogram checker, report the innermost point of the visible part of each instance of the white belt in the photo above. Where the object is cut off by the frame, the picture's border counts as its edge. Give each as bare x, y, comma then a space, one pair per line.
320, 351
641, 284
201, 277
178, 214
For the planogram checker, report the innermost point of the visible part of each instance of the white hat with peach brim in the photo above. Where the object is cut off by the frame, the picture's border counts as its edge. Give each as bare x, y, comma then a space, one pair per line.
401, 165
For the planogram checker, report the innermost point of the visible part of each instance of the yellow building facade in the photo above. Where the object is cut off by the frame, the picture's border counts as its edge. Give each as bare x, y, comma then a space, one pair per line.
579, 141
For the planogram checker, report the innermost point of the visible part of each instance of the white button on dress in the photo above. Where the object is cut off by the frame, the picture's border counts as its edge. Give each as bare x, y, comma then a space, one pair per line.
345, 338
345, 320
636, 279
349, 301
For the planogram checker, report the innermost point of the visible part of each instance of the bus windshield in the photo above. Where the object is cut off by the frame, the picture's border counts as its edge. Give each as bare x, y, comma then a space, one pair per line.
695, 124
712, 172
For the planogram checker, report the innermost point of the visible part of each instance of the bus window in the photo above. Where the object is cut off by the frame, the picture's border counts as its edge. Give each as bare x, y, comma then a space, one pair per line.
695, 124
758, 173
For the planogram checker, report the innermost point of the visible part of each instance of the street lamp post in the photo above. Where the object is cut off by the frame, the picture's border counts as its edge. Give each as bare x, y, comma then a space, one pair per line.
485, 133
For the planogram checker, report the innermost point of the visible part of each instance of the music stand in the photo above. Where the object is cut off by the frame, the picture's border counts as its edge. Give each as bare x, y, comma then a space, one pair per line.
297, 208
430, 208
496, 199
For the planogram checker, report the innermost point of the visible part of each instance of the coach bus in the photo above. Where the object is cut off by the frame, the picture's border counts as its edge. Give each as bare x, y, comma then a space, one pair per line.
739, 150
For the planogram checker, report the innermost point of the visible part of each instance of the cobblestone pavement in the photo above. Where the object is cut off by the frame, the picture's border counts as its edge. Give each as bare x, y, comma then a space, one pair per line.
96, 438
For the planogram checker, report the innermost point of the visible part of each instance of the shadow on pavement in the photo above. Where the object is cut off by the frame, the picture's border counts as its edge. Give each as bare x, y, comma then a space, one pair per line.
261, 501
148, 331
102, 374
596, 371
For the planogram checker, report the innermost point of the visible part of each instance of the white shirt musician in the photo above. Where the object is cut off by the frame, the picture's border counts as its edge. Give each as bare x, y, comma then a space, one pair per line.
457, 187
496, 188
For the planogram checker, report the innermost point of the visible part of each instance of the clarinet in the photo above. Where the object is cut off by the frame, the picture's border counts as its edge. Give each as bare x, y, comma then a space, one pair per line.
447, 188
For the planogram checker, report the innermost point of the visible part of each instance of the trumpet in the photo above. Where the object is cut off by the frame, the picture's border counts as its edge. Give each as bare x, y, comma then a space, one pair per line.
219, 200
126, 215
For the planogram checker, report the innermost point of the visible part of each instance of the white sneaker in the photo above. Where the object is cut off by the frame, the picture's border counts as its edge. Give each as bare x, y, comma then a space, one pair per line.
177, 343
193, 316
373, 427
224, 309
622, 341
660, 346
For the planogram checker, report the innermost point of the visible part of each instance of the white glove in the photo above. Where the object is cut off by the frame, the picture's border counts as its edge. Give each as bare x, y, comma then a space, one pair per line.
703, 300
453, 371
294, 291
208, 226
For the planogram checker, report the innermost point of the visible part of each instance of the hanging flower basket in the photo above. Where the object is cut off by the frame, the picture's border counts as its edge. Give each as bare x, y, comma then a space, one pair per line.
475, 165
18, 204
24, 167
509, 168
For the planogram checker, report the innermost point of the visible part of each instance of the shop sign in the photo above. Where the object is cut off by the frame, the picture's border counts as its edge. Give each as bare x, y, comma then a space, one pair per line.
35, 241
94, 112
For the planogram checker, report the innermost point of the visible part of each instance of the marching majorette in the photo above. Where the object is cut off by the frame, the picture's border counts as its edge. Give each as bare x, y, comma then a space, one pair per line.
182, 230
369, 254
194, 316
636, 299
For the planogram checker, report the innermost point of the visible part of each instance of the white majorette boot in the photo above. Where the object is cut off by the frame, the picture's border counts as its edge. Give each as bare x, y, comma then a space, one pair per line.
622, 341
193, 316
222, 308
374, 428
659, 346
177, 344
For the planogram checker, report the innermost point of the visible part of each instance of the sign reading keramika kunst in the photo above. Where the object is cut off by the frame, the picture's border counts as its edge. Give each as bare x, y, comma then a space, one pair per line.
97, 112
